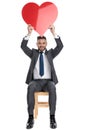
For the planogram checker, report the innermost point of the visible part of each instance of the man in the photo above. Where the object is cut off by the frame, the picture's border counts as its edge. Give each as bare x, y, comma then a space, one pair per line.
41, 75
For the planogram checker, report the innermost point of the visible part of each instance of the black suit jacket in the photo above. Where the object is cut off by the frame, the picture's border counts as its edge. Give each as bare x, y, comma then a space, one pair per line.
34, 53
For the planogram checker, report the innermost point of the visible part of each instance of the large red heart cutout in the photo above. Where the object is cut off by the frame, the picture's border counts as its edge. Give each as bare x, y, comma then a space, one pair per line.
40, 17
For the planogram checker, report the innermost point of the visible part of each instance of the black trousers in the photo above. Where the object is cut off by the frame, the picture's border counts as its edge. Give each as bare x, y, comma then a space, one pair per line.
41, 85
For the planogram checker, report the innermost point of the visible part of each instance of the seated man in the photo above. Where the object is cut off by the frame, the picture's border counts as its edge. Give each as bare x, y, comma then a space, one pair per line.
41, 75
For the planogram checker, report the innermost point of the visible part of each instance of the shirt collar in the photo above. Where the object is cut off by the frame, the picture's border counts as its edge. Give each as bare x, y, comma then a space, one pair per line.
43, 51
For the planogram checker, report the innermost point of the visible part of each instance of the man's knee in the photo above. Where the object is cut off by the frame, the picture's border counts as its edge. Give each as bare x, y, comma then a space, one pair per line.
31, 86
51, 86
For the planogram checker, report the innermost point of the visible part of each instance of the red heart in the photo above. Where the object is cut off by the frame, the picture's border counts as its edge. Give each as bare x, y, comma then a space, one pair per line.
40, 17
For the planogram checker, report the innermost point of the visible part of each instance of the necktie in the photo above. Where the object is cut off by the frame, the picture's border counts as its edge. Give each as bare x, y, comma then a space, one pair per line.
41, 64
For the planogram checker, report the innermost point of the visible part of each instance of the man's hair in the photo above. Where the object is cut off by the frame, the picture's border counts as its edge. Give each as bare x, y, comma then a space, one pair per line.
41, 37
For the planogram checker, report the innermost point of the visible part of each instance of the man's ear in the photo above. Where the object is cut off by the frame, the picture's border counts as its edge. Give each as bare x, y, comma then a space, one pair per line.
46, 43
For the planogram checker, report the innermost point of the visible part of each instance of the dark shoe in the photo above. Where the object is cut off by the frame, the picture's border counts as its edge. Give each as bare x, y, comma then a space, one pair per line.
30, 122
53, 123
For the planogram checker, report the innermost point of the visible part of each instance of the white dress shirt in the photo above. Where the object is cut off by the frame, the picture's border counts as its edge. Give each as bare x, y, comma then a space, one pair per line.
47, 68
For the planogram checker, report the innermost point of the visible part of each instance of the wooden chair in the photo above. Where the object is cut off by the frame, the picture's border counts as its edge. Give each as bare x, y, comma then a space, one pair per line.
39, 104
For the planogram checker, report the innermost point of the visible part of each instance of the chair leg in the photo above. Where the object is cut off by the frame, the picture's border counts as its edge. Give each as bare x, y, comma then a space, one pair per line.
36, 105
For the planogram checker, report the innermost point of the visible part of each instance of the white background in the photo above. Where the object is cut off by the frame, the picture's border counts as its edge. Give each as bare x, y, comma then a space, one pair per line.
71, 66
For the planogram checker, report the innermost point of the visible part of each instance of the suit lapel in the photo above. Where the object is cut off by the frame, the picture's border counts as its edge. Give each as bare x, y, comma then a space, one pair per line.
48, 56
46, 52
36, 56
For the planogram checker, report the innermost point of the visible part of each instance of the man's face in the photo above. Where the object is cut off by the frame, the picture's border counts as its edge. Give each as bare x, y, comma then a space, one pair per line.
41, 44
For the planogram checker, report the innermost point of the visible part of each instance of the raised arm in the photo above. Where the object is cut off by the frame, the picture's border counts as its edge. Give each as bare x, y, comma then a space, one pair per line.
24, 42
59, 45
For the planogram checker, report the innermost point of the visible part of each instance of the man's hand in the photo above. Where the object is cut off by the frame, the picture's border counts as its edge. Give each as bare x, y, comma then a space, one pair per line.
52, 29
30, 29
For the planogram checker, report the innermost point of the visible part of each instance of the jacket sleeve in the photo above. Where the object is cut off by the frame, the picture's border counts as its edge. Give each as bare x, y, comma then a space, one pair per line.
58, 47
25, 48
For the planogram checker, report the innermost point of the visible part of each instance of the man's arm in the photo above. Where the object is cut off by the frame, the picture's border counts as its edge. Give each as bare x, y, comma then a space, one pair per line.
59, 46
25, 48
24, 43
